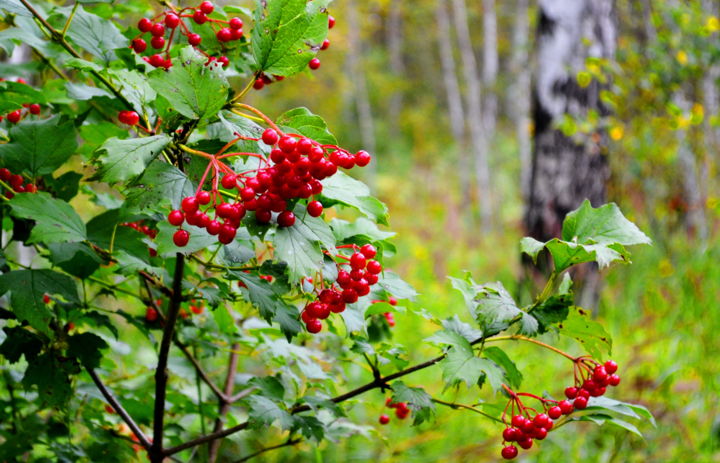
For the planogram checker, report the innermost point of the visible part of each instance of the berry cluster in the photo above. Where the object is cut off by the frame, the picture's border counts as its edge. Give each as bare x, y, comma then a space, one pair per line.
168, 23
353, 284
152, 315
401, 411
298, 165
14, 183
527, 424
28, 108
389, 317
145, 230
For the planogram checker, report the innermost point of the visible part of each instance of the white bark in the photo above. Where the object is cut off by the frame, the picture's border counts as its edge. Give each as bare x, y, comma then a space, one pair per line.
519, 95
490, 67
478, 136
397, 66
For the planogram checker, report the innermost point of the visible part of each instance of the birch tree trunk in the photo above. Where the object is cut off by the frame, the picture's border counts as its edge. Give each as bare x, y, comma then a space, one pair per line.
490, 66
519, 95
473, 98
454, 98
394, 38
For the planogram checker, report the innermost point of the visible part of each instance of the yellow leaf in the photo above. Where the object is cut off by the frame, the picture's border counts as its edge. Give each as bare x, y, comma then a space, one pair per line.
616, 133
682, 57
712, 24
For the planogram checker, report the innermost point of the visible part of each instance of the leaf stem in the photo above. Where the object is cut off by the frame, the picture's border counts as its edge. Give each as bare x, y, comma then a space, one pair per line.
517, 337
465, 407
69, 19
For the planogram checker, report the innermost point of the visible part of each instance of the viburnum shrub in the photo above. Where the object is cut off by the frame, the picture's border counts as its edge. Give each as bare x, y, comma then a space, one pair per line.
179, 268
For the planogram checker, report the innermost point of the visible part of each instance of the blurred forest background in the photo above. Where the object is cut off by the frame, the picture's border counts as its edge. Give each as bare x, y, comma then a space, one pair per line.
441, 91
488, 120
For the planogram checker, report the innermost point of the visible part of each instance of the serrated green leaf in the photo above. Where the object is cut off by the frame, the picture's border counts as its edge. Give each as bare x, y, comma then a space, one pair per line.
194, 90
494, 308
360, 228
552, 311
513, 376
448, 338
78, 91
77, 259
38, 147
96, 35
531, 247
602, 225
263, 411
27, 288
623, 408
346, 190
589, 333
124, 159
86, 347
299, 250
159, 183
396, 286
51, 376
135, 87
601, 419
287, 34
419, 401
20, 341
463, 329
267, 298
16, 94
308, 124
55, 220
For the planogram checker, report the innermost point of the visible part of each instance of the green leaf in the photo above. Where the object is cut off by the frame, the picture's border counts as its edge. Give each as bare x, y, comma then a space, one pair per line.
124, 159
39, 147
513, 376
16, 94
463, 329
77, 259
419, 401
602, 225
84, 92
51, 376
531, 247
494, 308
299, 247
461, 364
96, 35
601, 419
55, 220
159, 183
552, 311
19, 342
308, 124
287, 34
448, 338
346, 190
135, 87
396, 286
623, 408
86, 347
194, 90
27, 288
589, 333
265, 412
361, 228
267, 297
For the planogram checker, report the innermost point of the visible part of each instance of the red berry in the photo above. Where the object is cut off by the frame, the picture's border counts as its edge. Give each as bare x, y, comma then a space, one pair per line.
349, 295
181, 238
580, 403
157, 42
318, 310
151, 314
229, 181
314, 326
197, 309
525, 442
139, 45
5, 174
144, 25
368, 250
227, 234
555, 412
315, 208
190, 204
600, 375
157, 60
517, 421
16, 181
287, 143
541, 420
571, 392
374, 267
331, 22
357, 261
176, 218
270, 137
172, 20
46, 299
325, 45
613, 380
402, 411
14, 116
263, 216
286, 219
384, 419
207, 7
511, 434
566, 407
509, 452
540, 433
224, 35
236, 23
314, 63
611, 367
199, 17
258, 84
362, 158
34, 108
203, 197
194, 39
158, 30
30, 188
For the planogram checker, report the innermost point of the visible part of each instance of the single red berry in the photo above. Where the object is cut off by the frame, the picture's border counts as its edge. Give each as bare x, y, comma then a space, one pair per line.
314, 64
287, 143
611, 367
203, 197
517, 421
199, 17
157, 60
16, 181
14, 116
368, 250
349, 295
139, 45
176, 218
286, 219
511, 434
194, 39
197, 309
402, 412
5, 174
236, 23
190, 204
384, 419
325, 45
374, 267
158, 30
227, 234
315, 208
539, 433
30, 188
525, 442
207, 7
34, 108
157, 42
306, 316
555, 412
224, 35
144, 25
580, 403
331, 22
600, 375
181, 238
613, 380
362, 158
357, 261
172, 20
263, 216
151, 314
541, 420
46, 299
509, 452
571, 392
270, 137
213, 227
314, 326
258, 84
229, 181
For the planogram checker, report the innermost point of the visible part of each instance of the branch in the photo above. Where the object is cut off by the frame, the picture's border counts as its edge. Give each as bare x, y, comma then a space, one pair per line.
224, 406
161, 374
206, 379
267, 449
455, 406
59, 39
119, 409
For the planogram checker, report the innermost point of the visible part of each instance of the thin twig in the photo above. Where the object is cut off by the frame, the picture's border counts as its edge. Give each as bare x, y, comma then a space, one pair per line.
267, 449
203, 375
224, 405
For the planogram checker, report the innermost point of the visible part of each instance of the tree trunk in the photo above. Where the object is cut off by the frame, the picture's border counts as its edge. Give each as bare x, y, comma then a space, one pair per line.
362, 97
519, 96
478, 136
394, 38
454, 98
490, 66
565, 171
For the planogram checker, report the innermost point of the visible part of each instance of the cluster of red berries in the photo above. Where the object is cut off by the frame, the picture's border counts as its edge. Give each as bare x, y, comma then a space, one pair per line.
225, 31
299, 164
401, 411
152, 315
354, 284
28, 108
16, 183
528, 425
145, 230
